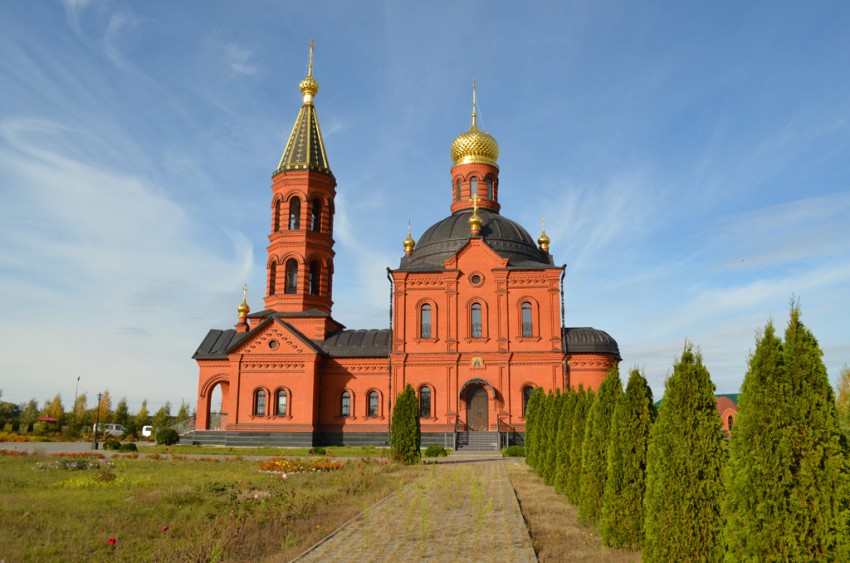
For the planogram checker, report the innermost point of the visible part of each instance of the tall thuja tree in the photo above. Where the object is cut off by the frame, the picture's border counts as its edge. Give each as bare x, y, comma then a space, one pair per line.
532, 430
554, 426
784, 485
594, 457
543, 437
685, 459
584, 400
622, 511
842, 399
406, 437
565, 434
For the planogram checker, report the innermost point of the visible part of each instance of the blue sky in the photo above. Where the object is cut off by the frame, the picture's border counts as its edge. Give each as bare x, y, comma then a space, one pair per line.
692, 161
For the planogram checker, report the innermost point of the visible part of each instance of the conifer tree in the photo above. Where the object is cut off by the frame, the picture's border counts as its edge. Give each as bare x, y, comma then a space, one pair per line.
143, 417
594, 457
532, 418
784, 484
122, 413
162, 417
622, 511
406, 437
842, 400
552, 450
584, 401
543, 437
565, 434
685, 461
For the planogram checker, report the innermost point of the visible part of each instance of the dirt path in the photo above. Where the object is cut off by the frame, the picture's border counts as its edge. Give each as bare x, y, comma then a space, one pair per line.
455, 512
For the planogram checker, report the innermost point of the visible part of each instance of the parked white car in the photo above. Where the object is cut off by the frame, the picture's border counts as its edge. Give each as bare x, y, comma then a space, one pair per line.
147, 431
110, 429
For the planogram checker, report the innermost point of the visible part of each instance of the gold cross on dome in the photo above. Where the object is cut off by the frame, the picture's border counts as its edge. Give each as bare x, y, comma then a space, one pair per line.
474, 199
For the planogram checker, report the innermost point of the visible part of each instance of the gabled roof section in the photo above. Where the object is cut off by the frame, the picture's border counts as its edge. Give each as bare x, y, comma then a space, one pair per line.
587, 340
305, 149
216, 344
371, 343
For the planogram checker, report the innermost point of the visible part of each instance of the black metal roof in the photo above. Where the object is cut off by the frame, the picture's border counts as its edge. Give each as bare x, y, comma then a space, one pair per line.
217, 343
443, 239
587, 340
363, 343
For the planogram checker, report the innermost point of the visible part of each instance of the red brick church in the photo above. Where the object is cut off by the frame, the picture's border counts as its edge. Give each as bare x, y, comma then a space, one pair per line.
476, 321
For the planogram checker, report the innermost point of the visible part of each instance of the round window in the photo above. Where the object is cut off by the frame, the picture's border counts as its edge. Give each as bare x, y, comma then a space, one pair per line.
273, 344
475, 279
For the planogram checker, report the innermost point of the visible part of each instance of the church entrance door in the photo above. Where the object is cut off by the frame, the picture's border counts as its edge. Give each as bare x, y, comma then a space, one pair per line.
476, 409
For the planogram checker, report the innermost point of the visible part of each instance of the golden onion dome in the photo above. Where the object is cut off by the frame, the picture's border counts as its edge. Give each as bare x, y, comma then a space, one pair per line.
409, 244
309, 87
543, 241
475, 223
243, 309
474, 145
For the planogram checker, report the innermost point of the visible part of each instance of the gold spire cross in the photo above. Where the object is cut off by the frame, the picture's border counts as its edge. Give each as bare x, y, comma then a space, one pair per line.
244, 292
310, 65
474, 105
474, 199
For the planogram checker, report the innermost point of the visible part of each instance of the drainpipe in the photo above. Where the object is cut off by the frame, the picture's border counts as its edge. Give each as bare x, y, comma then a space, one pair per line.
561, 283
390, 362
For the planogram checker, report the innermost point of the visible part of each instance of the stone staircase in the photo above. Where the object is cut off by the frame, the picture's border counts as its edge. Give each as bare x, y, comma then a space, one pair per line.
477, 441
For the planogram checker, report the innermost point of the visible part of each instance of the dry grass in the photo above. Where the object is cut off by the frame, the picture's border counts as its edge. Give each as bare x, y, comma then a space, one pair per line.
553, 523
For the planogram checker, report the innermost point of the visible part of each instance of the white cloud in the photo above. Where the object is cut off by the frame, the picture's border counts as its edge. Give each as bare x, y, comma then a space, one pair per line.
238, 58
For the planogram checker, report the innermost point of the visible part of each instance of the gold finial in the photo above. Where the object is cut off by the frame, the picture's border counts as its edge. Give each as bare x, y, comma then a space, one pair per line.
474, 220
409, 243
308, 86
543, 241
474, 107
243, 309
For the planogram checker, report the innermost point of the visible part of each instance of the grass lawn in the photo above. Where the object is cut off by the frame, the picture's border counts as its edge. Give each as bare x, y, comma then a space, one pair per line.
214, 508
556, 533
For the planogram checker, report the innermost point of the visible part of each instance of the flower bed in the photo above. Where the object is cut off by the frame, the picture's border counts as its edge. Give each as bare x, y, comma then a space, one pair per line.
300, 465
10, 437
75, 464
14, 452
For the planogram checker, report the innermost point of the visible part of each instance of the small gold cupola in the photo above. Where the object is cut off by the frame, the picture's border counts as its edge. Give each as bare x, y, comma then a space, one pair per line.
409, 243
474, 145
474, 220
243, 309
309, 87
543, 240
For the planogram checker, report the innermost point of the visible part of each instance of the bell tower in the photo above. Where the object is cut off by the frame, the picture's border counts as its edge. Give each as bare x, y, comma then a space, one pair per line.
300, 252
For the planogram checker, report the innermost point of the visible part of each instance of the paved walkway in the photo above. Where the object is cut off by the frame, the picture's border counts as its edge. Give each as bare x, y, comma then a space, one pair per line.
456, 512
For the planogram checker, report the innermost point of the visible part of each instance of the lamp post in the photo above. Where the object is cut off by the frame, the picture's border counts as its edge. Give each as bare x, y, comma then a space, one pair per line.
76, 388
96, 422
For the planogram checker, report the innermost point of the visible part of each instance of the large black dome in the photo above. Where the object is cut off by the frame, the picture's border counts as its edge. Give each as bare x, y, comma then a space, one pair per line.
443, 239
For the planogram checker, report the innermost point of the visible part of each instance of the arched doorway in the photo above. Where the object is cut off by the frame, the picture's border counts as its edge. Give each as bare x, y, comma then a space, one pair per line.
477, 408
216, 415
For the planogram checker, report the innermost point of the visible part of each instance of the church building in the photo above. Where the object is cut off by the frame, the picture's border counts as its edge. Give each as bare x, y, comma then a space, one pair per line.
476, 321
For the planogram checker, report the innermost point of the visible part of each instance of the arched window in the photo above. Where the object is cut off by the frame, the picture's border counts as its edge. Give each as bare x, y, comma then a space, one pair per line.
527, 325
294, 214
373, 403
315, 278
457, 190
473, 186
331, 216
316, 219
475, 321
259, 403
291, 276
526, 395
425, 402
345, 404
277, 216
272, 277
490, 189
280, 403
730, 420
425, 321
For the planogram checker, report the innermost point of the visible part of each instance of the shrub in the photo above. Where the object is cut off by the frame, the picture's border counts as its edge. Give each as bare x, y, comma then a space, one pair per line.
406, 433
111, 445
513, 451
436, 451
167, 437
318, 451
128, 447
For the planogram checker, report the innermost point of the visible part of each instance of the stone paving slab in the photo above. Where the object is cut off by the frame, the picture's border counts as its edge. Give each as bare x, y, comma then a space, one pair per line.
455, 512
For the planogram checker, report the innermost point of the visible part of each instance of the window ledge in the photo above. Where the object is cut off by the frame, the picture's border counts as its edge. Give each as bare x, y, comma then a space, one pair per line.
528, 339
426, 340
482, 339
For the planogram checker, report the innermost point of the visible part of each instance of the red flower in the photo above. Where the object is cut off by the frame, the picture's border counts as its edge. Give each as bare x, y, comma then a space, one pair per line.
111, 541
165, 528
